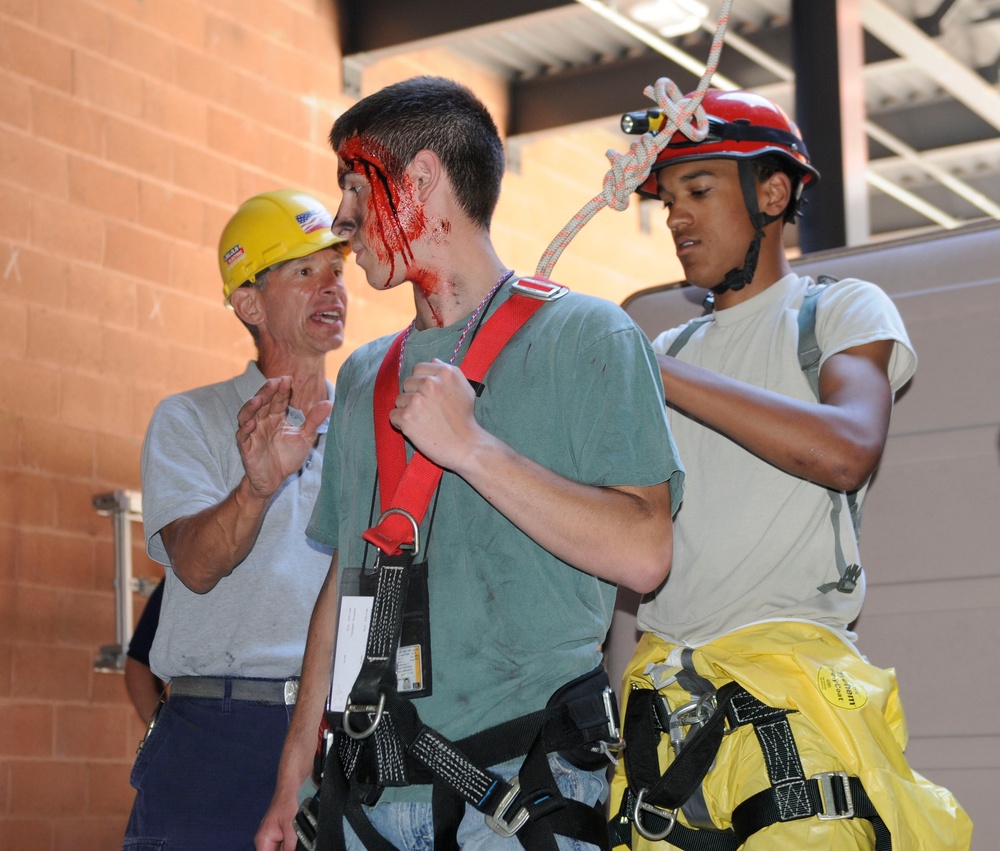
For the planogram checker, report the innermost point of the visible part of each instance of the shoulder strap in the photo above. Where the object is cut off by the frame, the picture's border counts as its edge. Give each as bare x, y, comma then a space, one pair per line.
681, 339
409, 487
809, 350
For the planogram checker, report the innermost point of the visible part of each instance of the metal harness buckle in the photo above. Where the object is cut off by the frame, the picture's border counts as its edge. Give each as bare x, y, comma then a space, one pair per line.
498, 822
353, 707
828, 792
542, 290
642, 806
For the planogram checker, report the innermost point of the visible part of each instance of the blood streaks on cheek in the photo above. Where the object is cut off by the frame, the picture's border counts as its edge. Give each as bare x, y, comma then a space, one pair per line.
394, 217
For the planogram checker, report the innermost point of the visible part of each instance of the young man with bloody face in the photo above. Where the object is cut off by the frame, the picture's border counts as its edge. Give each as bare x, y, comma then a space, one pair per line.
766, 578
559, 475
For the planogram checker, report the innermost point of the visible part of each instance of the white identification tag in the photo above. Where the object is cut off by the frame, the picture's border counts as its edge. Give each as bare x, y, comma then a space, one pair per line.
349, 652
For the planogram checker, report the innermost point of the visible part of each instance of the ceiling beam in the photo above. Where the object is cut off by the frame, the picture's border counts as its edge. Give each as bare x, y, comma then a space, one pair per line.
954, 77
371, 25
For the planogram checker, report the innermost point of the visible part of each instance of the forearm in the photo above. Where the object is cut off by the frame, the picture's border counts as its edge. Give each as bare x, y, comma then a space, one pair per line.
207, 546
314, 686
836, 444
621, 534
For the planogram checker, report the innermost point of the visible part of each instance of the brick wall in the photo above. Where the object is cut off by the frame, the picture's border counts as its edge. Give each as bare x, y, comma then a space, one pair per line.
129, 132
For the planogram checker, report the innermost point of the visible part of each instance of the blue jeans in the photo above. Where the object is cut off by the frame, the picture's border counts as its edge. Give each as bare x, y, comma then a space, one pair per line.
410, 825
205, 775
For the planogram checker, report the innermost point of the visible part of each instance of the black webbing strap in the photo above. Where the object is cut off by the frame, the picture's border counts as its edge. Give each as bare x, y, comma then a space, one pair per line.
454, 769
831, 797
791, 796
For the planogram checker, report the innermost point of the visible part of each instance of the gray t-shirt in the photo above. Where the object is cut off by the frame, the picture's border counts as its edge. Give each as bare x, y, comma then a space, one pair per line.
753, 542
578, 391
254, 622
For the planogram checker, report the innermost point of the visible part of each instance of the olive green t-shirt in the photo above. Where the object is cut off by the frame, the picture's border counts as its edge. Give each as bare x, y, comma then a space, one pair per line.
578, 391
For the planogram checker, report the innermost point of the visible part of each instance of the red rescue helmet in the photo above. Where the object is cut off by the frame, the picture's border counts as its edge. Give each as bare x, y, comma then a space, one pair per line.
741, 126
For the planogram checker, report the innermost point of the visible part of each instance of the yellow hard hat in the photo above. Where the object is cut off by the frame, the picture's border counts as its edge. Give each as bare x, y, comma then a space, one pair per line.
270, 228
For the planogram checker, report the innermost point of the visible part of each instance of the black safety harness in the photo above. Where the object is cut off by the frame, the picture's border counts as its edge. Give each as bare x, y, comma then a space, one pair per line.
380, 741
652, 800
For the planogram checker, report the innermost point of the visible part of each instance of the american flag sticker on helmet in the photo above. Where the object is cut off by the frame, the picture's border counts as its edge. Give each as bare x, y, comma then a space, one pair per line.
314, 220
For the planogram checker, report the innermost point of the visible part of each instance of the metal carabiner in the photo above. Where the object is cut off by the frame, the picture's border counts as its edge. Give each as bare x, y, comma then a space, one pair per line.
413, 522
364, 734
669, 815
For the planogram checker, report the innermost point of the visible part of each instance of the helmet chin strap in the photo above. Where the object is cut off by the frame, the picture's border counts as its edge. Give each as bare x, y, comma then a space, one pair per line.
738, 278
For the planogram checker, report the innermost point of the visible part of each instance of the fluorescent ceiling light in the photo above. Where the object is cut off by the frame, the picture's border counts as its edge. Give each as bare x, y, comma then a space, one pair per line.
669, 18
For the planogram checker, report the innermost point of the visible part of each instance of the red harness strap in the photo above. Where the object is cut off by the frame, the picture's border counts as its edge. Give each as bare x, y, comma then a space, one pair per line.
410, 486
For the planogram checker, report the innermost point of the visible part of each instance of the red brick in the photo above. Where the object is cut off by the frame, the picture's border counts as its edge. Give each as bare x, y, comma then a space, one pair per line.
48, 672
62, 339
118, 459
4, 787
96, 403
6, 670
93, 833
205, 75
108, 687
75, 509
287, 157
271, 107
145, 401
55, 559
183, 20
15, 223
177, 112
42, 788
15, 101
91, 731
67, 230
106, 190
37, 277
81, 23
215, 220
236, 136
196, 270
26, 499
8, 548
61, 119
169, 316
137, 252
138, 148
65, 451
87, 619
225, 333
34, 55
21, 833
27, 387
205, 173
282, 65
30, 614
170, 212
107, 85
100, 294
22, 9
26, 730
36, 165
110, 792
134, 357
235, 44
141, 49
13, 329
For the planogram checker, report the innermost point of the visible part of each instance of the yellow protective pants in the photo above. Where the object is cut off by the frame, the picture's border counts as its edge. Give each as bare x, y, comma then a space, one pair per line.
847, 717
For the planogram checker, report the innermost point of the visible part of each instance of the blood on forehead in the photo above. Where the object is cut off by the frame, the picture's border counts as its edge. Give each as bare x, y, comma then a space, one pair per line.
393, 218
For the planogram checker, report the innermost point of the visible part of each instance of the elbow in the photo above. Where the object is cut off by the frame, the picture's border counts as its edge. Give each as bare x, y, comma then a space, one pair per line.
197, 583
851, 471
649, 572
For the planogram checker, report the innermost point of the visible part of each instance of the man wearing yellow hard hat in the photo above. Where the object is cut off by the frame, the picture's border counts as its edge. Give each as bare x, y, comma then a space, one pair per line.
229, 475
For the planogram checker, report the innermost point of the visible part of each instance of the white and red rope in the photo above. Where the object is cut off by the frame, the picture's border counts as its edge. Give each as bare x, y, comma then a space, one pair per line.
628, 171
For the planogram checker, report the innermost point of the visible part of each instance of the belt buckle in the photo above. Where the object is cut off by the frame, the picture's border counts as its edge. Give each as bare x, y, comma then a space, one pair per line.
828, 788
498, 822
291, 692
542, 290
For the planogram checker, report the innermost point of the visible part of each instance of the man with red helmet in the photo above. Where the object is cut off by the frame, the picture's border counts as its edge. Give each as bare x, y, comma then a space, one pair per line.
750, 632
